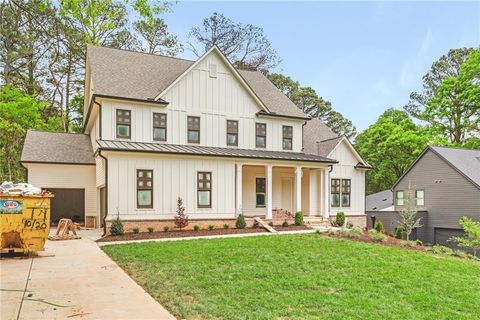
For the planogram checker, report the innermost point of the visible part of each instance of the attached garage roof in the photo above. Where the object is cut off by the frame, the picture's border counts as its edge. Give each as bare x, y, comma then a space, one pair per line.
209, 151
57, 147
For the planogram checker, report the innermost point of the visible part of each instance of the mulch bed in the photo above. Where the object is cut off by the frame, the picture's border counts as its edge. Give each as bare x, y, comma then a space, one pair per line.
193, 233
390, 241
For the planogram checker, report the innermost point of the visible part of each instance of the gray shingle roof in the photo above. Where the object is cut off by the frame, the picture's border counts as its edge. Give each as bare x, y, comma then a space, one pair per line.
379, 200
318, 138
57, 147
467, 161
209, 151
137, 75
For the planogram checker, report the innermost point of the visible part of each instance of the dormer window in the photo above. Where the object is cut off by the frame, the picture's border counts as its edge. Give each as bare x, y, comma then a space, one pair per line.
123, 124
287, 137
193, 132
261, 135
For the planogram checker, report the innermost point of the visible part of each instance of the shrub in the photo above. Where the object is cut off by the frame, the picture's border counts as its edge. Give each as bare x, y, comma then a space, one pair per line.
461, 254
181, 219
116, 228
408, 243
340, 219
196, 227
355, 232
378, 226
298, 218
165, 229
377, 236
285, 224
150, 229
438, 249
226, 226
240, 223
136, 230
419, 242
399, 233
349, 224
211, 226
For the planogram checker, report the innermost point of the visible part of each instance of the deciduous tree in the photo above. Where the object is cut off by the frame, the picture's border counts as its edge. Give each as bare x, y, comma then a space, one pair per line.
157, 37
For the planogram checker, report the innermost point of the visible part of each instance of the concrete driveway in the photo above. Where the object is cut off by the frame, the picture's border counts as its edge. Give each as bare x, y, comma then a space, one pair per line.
78, 282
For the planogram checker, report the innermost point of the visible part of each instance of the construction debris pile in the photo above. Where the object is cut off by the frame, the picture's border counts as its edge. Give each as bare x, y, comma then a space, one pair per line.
8, 187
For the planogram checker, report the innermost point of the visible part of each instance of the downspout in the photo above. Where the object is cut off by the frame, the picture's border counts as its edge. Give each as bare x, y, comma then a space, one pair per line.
106, 193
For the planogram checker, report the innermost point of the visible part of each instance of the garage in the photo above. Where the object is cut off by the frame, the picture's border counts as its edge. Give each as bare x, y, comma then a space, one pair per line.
67, 203
443, 234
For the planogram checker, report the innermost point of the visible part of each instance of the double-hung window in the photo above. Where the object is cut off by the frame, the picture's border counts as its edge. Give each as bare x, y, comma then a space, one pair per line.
400, 196
232, 133
144, 188
193, 133
287, 137
204, 189
420, 197
261, 135
160, 126
346, 189
340, 191
335, 193
123, 124
260, 192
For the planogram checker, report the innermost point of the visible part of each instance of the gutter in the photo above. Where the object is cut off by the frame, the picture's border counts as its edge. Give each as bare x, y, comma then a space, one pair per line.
106, 193
275, 115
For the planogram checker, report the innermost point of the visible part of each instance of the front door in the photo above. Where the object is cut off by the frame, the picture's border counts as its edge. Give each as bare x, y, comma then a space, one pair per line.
287, 194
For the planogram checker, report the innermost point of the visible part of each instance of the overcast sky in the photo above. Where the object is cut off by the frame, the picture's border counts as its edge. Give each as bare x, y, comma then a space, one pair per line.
364, 57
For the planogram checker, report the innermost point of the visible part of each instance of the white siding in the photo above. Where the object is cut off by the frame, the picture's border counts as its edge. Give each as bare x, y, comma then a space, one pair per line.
66, 176
100, 171
345, 169
172, 177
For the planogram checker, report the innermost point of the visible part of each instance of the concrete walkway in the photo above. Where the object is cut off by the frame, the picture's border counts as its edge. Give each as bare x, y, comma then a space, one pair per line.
78, 282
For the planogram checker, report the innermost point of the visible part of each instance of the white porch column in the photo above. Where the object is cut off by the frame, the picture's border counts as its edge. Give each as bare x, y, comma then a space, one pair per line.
269, 176
239, 188
298, 188
326, 193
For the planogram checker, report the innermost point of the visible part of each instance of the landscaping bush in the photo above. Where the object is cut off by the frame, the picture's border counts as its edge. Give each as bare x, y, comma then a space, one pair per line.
355, 232
165, 229
240, 223
181, 219
298, 218
349, 224
226, 226
438, 249
419, 242
399, 233
116, 228
340, 219
150, 229
378, 226
285, 224
136, 230
461, 254
196, 227
211, 226
408, 243
377, 236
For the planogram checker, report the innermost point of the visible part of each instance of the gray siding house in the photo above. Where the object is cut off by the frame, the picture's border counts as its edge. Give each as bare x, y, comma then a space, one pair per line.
445, 183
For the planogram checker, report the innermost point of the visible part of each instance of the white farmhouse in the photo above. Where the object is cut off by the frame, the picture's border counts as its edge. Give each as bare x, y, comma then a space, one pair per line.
225, 140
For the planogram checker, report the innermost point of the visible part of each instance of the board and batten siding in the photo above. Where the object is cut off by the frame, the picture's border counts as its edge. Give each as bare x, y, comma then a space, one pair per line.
214, 100
69, 177
173, 177
448, 195
345, 169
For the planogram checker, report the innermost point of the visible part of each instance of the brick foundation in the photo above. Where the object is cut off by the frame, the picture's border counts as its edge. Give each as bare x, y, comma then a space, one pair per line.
358, 221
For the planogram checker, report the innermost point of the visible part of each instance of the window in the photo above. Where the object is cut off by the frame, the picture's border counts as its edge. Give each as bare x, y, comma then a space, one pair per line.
160, 126
400, 198
193, 133
204, 189
260, 192
287, 137
123, 124
335, 193
261, 135
144, 188
346, 186
420, 197
232, 133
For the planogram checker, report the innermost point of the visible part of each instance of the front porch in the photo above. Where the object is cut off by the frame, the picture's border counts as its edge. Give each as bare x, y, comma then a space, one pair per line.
275, 192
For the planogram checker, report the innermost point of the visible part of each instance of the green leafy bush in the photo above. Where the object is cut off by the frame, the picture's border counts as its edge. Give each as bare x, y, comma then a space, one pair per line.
419, 242
377, 236
438, 249
399, 232
136, 230
461, 254
211, 226
150, 229
226, 226
298, 218
349, 224
285, 224
196, 227
340, 219
240, 223
116, 228
408, 243
378, 226
165, 229
354, 233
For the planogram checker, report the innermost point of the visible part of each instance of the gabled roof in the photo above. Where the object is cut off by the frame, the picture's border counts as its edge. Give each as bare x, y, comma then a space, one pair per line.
379, 201
57, 147
464, 161
209, 151
137, 75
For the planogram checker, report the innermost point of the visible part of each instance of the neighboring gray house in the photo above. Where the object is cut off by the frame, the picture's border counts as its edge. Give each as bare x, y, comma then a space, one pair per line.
444, 182
380, 201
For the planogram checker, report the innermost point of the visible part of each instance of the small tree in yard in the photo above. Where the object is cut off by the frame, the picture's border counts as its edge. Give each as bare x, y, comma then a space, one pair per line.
408, 215
181, 219
471, 240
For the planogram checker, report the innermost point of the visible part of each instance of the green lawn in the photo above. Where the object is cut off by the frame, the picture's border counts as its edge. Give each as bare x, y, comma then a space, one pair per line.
301, 277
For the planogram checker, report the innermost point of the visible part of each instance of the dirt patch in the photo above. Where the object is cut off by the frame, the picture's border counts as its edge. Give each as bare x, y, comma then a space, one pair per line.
291, 228
390, 241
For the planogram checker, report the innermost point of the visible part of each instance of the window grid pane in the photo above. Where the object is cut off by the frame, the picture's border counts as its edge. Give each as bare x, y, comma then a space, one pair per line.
160, 126
260, 135
123, 123
144, 188
204, 189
